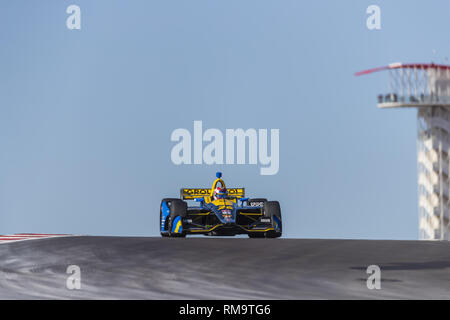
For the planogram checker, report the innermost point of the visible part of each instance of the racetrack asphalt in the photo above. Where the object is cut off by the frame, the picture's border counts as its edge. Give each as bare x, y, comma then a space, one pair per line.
223, 268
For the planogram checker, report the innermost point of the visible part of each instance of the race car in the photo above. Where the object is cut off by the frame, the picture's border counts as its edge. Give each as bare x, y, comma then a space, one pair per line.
220, 212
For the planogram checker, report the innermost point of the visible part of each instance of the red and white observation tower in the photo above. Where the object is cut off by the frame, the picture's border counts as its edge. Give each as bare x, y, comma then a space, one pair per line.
427, 88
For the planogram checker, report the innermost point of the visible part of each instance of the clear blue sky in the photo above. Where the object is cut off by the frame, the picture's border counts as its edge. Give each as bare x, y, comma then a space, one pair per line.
86, 115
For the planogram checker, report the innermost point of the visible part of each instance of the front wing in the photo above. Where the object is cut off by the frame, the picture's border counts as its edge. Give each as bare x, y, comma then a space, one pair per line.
248, 220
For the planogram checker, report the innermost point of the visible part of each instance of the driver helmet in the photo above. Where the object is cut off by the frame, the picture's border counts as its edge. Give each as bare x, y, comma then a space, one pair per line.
220, 193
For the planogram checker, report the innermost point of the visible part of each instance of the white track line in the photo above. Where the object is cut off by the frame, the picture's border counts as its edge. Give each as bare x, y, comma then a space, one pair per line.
29, 236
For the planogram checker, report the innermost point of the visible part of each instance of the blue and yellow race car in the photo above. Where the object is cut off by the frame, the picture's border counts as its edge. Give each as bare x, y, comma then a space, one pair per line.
220, 212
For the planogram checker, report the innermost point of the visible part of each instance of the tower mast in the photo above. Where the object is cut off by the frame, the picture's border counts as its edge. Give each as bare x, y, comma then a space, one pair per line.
427, 88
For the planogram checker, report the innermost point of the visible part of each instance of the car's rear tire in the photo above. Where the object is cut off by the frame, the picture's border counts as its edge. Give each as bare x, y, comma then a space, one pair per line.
165, 230
163, 233
272, 210
178, 208
169, 200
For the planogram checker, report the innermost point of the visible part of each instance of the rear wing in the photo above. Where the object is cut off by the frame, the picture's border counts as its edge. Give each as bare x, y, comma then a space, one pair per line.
193, 193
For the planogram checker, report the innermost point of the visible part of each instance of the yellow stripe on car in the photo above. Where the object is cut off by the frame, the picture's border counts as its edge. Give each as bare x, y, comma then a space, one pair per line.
261, 230
178, 226
206, 230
